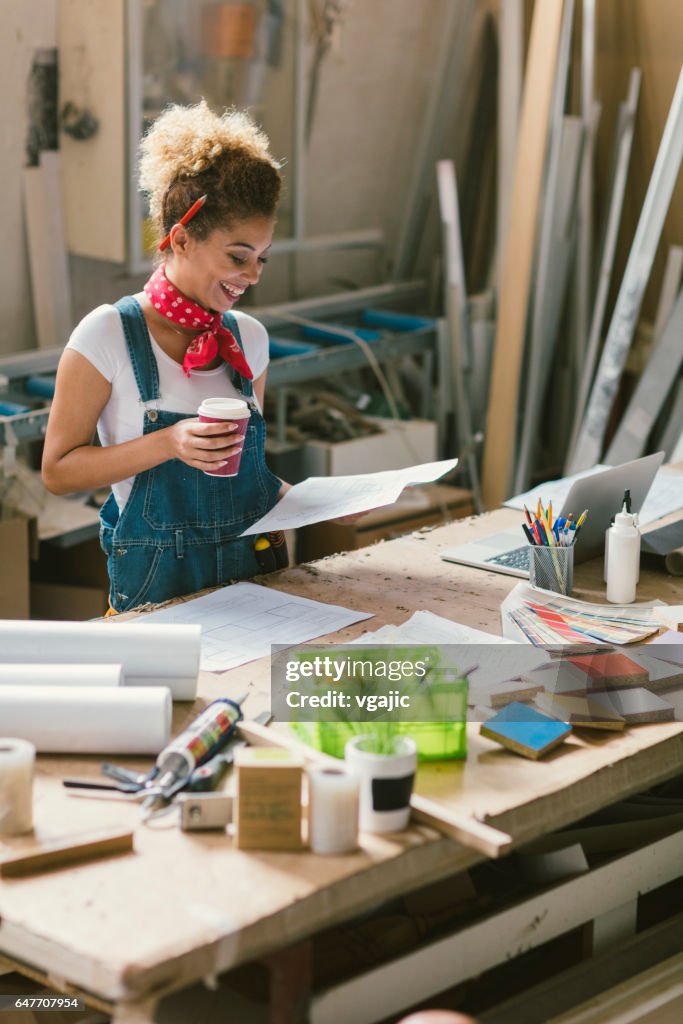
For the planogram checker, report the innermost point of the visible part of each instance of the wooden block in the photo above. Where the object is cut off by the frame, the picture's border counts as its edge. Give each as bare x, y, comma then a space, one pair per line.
500, 694
584, 712
67, 851
662, 674
611, 671
268, 805
637, 706
525, 731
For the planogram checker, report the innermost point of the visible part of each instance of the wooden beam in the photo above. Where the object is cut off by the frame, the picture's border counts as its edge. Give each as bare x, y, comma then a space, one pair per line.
501, 422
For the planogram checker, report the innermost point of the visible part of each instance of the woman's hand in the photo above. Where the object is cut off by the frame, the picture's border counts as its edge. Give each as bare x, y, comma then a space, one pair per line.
202, 445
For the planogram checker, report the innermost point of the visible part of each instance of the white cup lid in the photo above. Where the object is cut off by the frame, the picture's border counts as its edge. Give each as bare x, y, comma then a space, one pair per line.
224, 408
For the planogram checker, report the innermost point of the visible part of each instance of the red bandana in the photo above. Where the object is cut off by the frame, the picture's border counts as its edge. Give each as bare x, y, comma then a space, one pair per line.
214, 340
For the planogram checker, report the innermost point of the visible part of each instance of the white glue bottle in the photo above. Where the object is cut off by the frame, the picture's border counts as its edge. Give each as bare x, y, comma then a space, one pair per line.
626, 501
624, 558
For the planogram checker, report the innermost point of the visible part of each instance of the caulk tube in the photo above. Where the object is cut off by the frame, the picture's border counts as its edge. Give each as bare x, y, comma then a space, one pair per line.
203, 738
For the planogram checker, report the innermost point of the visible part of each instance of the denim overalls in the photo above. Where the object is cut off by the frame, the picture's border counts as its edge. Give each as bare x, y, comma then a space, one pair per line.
179, 530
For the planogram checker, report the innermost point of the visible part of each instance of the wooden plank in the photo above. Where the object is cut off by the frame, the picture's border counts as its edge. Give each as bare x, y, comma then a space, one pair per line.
501, 423
589, 978
92, 62
69, 851
653, 995
511, 45
622, 156
50, 281
457, 316
673, 431
549, 291
654, 385
617, 343
583, 277
669, 290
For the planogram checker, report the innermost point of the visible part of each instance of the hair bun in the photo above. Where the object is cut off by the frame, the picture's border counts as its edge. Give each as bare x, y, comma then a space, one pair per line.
185, 141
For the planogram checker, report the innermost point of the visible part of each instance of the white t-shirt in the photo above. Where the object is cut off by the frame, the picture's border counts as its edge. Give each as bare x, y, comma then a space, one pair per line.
100, 338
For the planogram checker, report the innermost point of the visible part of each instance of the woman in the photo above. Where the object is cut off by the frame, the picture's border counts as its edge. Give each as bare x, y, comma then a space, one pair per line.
137, 371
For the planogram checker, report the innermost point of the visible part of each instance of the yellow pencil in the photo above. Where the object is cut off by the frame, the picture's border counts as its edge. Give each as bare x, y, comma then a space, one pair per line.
581, 518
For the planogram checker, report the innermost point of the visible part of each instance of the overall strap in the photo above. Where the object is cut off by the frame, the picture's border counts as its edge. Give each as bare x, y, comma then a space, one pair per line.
240, 382
139, 348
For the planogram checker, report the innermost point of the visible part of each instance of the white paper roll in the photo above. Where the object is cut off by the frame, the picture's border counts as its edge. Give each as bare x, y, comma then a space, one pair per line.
61, 675
150, 655
332, 810
77, 720
16, 786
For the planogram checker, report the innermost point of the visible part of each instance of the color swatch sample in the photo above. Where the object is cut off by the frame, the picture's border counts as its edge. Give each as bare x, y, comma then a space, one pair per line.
525, 731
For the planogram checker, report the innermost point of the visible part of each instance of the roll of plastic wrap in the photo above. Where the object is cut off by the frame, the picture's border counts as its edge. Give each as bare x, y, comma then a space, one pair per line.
332, 810
61, 675
78, 720
16, 786
149, 655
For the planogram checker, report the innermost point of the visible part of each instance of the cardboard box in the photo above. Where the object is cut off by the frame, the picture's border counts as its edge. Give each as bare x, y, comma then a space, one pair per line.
428, 505
65, 601
81, 565
14, 559
402, 443
70, 582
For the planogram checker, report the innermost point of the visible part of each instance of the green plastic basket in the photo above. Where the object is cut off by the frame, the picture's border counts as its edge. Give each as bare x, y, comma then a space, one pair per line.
436, 741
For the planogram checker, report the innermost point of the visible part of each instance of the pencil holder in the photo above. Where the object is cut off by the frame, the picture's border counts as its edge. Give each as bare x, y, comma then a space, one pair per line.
552, 568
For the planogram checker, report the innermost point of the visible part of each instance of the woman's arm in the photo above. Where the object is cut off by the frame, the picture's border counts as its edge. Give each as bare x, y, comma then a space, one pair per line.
71, 462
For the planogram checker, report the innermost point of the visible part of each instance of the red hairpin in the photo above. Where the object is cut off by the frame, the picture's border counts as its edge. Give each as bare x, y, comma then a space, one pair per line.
186, 217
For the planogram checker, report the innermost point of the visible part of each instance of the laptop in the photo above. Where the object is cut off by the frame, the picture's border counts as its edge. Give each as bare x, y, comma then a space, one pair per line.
601, 493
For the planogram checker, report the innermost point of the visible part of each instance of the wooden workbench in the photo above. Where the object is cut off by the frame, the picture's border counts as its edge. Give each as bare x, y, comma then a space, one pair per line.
184, 906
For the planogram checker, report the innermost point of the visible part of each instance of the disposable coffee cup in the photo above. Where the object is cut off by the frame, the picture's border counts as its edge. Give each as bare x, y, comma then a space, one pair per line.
226, 410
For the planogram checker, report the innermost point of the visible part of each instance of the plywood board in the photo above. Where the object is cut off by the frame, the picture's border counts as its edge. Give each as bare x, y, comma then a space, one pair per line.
92, 68
589, 444
50, 282
501, 422
651, 391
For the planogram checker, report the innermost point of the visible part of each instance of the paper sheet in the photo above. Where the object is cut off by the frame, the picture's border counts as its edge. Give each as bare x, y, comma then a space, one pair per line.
327, 497
240, 622
665, 495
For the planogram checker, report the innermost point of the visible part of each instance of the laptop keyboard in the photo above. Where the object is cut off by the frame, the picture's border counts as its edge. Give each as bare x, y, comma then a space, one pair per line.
518, 558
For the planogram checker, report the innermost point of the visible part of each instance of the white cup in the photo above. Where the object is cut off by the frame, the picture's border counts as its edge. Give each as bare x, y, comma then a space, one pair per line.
232, 410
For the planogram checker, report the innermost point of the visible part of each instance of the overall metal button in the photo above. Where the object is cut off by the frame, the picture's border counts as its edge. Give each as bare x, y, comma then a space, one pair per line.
152, 415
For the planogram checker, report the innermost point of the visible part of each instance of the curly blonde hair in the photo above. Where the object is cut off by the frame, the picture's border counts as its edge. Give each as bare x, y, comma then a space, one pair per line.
190, 152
